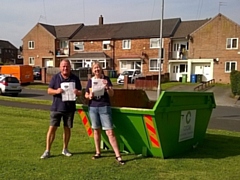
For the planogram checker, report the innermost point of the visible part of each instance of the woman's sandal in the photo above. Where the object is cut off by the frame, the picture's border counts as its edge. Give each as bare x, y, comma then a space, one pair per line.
119, 160
96, 156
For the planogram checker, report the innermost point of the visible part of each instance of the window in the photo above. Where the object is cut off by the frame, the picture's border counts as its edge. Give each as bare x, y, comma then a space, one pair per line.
154, 43
63, 44
154, 65
183, 68
106, 45
78, 46
230, 66
31, 61
31, 45
232, 43
103, 63
126, 44
123, 64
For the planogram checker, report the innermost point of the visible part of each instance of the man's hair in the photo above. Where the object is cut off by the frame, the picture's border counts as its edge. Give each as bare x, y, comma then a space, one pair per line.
65, 60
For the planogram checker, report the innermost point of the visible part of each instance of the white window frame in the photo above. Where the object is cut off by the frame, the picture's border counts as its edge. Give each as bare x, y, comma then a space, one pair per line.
126, 44
103, 63
158, 63
154, 43
229, 43
229, 68
31, 44
123, 65
31, 60
79, 45
63, 44
106, 45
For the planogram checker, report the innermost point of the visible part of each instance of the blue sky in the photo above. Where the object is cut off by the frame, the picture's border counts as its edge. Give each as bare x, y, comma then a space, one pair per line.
18, 17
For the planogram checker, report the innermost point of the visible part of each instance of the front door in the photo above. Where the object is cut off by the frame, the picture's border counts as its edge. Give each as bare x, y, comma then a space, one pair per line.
206, 73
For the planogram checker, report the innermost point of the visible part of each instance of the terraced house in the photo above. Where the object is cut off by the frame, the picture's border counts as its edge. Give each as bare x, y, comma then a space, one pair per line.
8, 53
188, 47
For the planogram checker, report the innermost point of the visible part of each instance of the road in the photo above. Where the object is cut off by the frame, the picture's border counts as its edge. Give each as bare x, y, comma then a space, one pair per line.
225, 117
36, 94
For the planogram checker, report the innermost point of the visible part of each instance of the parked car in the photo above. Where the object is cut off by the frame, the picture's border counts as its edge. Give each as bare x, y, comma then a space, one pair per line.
9, 85
37, 73
132, 75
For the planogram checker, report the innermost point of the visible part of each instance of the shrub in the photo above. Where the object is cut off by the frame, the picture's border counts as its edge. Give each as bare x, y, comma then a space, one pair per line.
235, 82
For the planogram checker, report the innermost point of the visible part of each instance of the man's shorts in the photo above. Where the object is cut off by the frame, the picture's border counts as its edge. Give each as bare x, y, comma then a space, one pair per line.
55, 118
101, 117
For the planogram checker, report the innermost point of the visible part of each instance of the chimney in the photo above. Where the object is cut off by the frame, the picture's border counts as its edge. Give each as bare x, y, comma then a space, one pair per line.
100, 20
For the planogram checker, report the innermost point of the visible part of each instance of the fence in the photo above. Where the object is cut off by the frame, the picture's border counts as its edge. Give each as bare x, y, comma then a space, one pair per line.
47, 74
205, 85
150, 82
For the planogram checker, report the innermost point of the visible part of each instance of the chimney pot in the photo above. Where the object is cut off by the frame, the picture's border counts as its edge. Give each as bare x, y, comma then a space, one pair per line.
101, 20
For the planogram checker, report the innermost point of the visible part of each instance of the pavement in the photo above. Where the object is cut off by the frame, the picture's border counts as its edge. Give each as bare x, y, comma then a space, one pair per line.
222, 94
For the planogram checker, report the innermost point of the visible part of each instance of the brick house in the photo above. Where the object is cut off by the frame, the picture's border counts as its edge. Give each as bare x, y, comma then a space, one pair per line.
218, 41
180, 62
207, 47
121, 46
8, 53
45, 45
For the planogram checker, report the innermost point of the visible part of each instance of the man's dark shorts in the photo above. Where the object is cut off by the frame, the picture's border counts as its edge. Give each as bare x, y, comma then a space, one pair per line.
55, 118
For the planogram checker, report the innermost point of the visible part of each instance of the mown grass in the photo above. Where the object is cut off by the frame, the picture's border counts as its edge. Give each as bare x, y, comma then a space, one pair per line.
22, 142
26, 100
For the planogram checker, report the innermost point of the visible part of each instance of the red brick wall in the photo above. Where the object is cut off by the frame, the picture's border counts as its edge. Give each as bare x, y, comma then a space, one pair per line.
137, 47
210, 42
44, 42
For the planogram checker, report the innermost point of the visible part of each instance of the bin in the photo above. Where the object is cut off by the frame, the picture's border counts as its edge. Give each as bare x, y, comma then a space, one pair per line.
175, 124
199, 78
107, 73
184, 78
193, 78
180, 79
114, 74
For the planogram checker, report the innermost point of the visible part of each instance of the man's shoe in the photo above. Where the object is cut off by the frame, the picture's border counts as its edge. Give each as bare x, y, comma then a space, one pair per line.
45, 155
65, 152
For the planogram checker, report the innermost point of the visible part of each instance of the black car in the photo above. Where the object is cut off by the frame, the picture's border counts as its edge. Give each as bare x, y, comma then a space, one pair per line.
37, 73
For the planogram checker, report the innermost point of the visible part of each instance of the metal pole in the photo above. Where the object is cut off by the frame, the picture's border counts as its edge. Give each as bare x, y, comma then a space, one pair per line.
160, 52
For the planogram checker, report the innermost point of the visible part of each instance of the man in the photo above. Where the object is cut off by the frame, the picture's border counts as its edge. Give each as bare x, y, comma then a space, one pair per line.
64, 86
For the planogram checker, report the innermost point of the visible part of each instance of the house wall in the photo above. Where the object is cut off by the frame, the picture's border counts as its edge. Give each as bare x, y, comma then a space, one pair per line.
44, 42
139, 46
210, 42
92, 46
8, 55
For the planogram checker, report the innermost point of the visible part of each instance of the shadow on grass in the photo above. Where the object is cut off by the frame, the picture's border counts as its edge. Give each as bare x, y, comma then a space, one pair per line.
215, 147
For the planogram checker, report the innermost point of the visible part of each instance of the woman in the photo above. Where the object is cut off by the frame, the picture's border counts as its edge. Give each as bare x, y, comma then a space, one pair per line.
100, 112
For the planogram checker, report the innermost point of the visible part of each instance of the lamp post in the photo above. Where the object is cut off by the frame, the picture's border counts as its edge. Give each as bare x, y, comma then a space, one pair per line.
160, 52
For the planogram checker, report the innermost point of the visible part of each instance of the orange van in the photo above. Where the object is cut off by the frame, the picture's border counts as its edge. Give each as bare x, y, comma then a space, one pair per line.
24, 73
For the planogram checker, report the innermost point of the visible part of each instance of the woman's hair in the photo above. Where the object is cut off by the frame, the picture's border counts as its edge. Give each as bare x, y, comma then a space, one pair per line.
96, 63
99, 64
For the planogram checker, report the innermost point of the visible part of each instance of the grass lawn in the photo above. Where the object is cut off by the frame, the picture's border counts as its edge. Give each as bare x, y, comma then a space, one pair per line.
26, 100
22, 142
